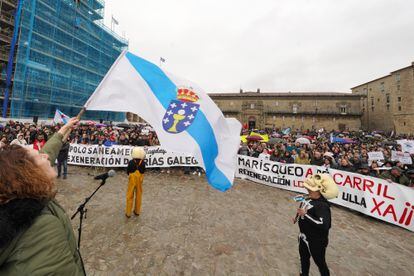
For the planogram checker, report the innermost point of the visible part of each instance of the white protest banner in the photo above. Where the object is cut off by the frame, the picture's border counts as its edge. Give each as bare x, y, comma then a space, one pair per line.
407, 145
119, 156
158, 157
375, 156
375, 197
99, 156
403, 157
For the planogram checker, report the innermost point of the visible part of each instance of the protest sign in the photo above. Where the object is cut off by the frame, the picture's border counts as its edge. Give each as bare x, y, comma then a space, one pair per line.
403, 157
407, 145
390, 202
375, 156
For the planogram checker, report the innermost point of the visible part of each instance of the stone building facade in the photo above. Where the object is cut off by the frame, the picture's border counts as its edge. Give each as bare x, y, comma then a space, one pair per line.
339, 111
388, 104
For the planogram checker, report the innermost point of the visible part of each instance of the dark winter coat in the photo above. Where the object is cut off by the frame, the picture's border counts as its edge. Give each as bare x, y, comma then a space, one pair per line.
136, 164
64, 152
316, 223
37, 239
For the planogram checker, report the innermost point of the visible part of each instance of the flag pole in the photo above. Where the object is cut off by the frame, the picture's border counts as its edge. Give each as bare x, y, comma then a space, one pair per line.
81, 112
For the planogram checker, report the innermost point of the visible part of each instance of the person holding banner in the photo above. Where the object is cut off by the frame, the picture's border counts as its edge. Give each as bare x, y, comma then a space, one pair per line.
314, 218
410, 175
395, 175
135, 171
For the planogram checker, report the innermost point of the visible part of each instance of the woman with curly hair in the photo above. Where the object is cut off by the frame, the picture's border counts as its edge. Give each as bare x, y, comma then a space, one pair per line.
36, 236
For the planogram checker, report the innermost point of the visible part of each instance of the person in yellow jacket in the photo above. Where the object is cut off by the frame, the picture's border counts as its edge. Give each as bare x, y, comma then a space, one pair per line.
135, 171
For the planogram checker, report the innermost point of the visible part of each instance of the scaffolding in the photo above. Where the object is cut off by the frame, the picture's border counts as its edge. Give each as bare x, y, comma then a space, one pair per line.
64, 51
7, 10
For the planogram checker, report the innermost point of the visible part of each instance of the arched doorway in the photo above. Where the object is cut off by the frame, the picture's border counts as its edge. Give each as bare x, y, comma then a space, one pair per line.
252, 122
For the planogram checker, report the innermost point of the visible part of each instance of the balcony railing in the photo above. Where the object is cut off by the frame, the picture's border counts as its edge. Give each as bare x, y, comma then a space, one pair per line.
318, 112
228, 110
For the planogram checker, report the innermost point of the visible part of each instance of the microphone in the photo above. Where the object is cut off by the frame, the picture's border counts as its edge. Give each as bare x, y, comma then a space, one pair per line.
104, 176
297, 215
301, 199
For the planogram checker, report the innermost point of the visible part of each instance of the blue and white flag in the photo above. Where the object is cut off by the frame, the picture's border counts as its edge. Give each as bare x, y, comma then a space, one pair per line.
184, 117
286, 131
60, 117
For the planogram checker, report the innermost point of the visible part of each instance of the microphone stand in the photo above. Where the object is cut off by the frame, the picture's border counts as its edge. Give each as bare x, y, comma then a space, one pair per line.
82, 210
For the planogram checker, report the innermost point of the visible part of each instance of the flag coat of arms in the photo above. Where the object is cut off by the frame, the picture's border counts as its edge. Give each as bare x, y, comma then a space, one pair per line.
184, 117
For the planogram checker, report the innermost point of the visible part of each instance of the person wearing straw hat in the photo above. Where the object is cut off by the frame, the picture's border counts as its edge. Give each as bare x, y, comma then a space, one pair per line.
314, 217
135, 171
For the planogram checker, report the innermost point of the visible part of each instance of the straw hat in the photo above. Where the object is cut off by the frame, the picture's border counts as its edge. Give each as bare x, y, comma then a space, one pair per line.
138, 153
323, 183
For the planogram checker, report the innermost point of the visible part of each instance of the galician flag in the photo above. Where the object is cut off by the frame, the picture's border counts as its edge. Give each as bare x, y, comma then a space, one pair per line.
184, 117
60, 117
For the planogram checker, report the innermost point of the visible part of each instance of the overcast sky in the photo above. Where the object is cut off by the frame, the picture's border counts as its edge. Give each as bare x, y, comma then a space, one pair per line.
278, 46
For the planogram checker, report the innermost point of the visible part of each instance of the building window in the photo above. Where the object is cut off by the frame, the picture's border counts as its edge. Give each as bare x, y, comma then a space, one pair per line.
363, 110
399, 108
295, 108
404, 123
388, 107
378, 99
398, 87
388, 98
372, 100
372, 108
252, 106
382, 87
399, 99
397, 77
343, 109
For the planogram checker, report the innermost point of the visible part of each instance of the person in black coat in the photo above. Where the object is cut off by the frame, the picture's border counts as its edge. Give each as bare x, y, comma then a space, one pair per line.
62, 160
314, 219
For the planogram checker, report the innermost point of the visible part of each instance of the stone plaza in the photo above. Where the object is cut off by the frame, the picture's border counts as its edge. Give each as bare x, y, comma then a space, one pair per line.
188, 228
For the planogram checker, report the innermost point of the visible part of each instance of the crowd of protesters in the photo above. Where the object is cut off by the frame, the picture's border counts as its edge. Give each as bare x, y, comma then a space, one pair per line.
86, 133
318, 148
306, 147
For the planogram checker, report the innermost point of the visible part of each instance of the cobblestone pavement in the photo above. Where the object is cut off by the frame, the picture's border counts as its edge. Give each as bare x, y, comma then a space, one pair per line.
187, 228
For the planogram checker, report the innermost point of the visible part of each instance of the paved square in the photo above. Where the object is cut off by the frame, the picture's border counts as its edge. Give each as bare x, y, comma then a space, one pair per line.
187, 228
